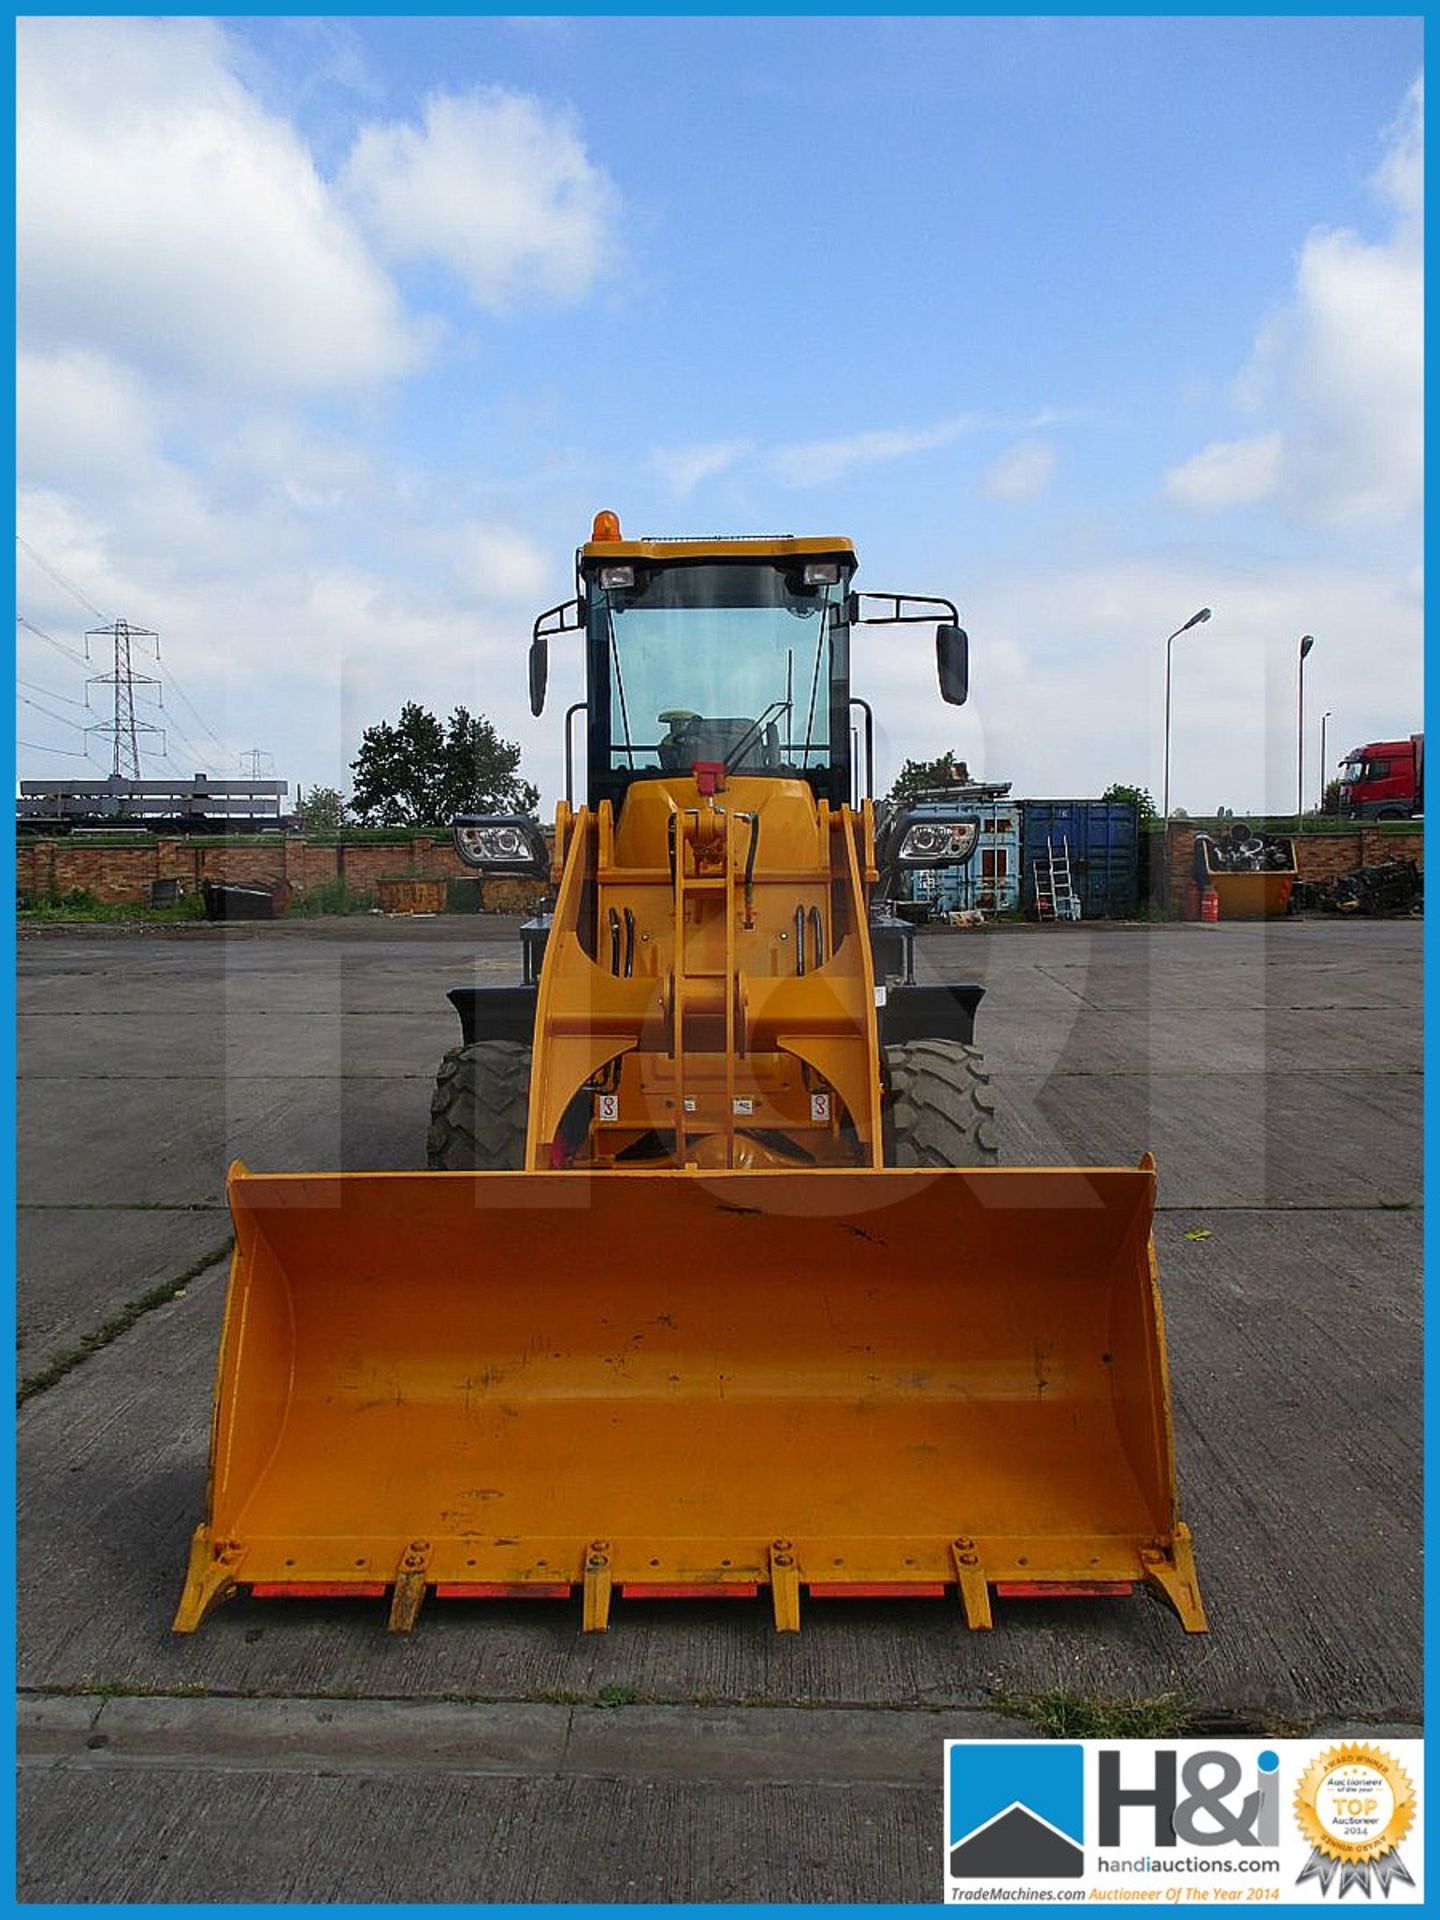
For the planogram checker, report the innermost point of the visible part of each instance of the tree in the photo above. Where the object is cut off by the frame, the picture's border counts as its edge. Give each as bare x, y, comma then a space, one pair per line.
322, 810
917, 776
1138, 797
422, 772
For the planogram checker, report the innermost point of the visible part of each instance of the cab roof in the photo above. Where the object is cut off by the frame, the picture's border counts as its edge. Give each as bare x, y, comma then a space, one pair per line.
720, 546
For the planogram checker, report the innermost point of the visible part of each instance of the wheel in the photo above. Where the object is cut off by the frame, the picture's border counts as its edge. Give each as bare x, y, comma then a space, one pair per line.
479, 1109
940, 1111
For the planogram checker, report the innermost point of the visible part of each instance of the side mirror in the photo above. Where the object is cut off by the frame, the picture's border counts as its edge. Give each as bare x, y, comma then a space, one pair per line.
952, 660
566, 618
539, 672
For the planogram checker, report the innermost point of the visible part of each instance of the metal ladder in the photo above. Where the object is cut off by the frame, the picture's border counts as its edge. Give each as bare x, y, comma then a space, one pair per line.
1055, 895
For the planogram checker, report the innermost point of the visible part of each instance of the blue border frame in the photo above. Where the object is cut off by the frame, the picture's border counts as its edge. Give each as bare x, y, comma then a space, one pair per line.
820, 9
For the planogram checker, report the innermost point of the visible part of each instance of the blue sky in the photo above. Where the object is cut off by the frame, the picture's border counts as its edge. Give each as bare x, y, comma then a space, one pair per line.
335, 334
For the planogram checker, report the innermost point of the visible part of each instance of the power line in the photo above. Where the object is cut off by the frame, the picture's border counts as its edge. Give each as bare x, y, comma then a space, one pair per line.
197, 758
64, 719
195, 715
65, 753
50, 694
70, 653
59, 578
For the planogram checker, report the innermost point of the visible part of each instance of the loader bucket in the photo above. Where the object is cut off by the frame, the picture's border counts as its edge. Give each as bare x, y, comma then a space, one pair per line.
692, 1384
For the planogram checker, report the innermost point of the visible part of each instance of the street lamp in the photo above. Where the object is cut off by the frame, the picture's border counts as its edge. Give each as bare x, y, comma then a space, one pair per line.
1307, 640
1327, 715
1195, 620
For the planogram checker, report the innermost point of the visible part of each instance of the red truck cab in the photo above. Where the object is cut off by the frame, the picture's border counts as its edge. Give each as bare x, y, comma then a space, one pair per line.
1384, 780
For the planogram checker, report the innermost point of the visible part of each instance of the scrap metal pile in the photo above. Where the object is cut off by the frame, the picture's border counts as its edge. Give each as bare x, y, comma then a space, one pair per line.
1393, 886
1243, 851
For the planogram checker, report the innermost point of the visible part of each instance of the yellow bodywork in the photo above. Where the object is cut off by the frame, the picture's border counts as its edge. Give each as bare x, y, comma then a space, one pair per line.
706, 1340
692, 1010
680, 1380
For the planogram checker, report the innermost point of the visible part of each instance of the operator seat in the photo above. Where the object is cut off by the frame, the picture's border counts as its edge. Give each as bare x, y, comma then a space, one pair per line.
698, 738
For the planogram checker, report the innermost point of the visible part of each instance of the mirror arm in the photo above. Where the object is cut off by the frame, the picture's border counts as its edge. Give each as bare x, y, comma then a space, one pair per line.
896, 618
560, 615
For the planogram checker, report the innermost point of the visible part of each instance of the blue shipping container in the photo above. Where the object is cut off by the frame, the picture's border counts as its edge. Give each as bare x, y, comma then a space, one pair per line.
1104, 837
990, 878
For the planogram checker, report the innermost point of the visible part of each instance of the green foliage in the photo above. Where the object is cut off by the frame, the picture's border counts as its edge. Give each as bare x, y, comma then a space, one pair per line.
1077, 1716
422, 772
79, 904
322, 810
916, 776
331, 896
1138, 797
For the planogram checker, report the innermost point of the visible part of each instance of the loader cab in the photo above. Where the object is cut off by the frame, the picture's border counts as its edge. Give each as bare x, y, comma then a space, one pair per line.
731, 652
739, 658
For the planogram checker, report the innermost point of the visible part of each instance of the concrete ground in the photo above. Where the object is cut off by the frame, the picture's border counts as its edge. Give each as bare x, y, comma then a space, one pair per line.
295, 1751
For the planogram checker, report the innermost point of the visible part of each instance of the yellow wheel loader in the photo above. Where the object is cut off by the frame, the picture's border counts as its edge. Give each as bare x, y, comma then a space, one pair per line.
714, 1286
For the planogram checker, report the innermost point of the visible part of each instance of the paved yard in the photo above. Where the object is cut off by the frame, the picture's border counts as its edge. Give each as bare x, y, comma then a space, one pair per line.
298, 1752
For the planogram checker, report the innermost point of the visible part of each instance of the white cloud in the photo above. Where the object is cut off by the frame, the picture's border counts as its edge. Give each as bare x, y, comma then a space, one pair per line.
683, 468
165, 217
296, 655
819, 463
80, 416
1339, 370
1228, 473
495, 563
1067, 676
1401, 175
1023, 472
496, 186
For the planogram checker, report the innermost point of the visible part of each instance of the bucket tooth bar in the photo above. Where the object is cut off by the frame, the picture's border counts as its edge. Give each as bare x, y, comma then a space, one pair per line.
875, 1568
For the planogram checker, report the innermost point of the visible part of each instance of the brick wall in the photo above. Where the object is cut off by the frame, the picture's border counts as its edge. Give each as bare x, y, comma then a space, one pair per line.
1318, 856
125, 874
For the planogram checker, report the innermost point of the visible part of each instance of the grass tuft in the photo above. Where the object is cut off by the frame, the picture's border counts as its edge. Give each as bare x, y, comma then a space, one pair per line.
119, 1323
1081, 1716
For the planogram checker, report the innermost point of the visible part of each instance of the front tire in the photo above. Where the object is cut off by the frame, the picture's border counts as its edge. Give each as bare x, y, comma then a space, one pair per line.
939, 1110
480, 1109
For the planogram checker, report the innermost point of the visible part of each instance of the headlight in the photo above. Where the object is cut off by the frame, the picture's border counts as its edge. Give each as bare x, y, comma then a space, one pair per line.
939, 842
512, 845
